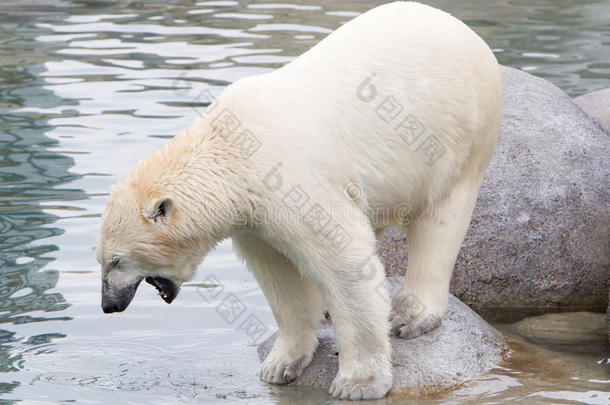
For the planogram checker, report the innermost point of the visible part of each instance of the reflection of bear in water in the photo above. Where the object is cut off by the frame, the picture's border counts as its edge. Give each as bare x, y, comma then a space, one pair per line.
389, 121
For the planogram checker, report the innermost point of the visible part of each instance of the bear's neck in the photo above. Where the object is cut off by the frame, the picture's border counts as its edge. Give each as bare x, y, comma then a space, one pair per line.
212, 180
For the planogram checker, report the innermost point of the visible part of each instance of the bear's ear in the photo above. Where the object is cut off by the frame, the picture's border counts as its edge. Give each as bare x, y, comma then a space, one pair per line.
160, 210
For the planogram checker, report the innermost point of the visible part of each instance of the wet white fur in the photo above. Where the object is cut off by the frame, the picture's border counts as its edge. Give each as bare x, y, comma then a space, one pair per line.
319, 131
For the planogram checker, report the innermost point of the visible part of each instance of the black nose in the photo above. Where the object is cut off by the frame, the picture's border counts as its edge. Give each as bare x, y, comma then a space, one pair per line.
117, 299
109, 307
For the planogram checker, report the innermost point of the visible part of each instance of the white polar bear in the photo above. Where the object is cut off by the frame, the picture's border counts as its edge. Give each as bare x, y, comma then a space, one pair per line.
389, 121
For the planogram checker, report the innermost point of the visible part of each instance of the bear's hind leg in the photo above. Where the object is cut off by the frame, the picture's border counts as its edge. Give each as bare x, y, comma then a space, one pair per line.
296, 304
434, 240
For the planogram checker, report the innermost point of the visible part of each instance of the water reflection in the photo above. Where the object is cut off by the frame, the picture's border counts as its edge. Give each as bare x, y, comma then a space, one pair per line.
32, 180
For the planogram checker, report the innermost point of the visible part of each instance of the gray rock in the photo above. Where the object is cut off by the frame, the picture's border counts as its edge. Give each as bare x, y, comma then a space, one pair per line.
608, 317
462, 348
540, 233
597, 105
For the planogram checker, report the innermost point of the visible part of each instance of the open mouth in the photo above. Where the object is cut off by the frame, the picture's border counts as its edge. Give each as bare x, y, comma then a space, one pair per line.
165, 288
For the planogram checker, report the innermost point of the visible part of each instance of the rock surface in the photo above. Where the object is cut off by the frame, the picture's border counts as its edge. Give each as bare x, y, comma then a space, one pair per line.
462, 348
597, 105
540, 233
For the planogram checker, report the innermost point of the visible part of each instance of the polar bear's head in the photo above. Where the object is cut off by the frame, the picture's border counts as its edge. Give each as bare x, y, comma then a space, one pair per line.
166, 214
146, 234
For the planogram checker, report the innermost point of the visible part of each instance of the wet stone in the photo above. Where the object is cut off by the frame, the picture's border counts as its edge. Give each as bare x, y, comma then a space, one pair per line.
464, 347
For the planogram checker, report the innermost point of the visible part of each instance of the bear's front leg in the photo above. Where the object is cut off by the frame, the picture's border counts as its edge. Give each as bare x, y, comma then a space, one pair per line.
296, 304
289, 357
359, 309
353, 286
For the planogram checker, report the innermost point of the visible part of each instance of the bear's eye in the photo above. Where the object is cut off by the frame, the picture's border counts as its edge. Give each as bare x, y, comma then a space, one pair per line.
116, 261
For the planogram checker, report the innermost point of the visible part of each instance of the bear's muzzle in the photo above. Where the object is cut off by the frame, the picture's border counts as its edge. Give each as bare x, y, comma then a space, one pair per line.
117, 299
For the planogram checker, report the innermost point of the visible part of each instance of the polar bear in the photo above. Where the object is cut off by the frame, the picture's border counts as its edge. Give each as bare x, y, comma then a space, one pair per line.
389, 121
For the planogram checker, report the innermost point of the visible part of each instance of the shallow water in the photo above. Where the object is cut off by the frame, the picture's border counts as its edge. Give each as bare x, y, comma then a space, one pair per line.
88, 88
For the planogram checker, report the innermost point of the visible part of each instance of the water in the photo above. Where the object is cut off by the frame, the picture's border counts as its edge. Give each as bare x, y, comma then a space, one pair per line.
88, 88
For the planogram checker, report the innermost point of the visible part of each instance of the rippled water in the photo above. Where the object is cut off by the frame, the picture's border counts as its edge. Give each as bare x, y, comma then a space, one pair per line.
89, 87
